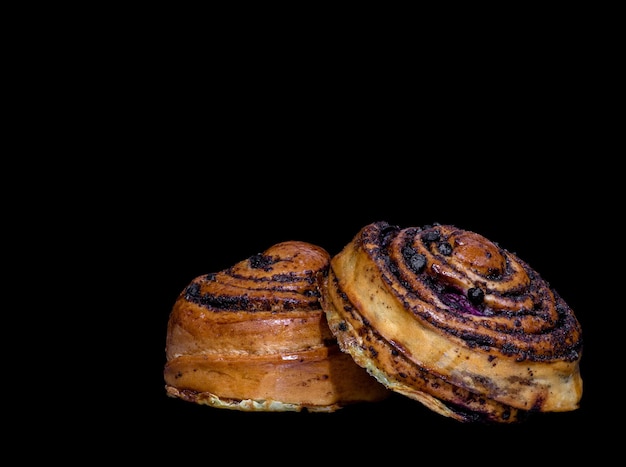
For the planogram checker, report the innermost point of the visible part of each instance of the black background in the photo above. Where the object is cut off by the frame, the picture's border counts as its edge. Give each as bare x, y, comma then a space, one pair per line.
186, 148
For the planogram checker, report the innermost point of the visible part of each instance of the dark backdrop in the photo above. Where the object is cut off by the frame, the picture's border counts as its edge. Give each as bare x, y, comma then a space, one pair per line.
185, 160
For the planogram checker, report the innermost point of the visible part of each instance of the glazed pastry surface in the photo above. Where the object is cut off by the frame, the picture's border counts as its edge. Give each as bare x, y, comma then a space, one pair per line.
254, 338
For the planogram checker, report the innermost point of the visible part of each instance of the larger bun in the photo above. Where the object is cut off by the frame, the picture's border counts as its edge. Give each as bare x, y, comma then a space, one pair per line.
448, 318
254, 338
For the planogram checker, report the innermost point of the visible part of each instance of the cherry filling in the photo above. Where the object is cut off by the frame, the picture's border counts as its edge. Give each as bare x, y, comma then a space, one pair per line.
472, 303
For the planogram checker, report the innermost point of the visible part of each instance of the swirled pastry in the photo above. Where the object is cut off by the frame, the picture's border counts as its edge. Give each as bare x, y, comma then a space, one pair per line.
254, 338
454, 321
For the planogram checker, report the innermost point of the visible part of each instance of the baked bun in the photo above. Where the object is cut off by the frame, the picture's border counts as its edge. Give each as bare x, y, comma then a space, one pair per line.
454, 321
254, 338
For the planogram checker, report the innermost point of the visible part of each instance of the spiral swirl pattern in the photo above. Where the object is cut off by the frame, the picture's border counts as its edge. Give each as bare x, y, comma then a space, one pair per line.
451, 319
272, 294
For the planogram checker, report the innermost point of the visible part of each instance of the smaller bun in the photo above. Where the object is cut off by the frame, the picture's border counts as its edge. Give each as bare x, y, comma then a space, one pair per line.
254, 338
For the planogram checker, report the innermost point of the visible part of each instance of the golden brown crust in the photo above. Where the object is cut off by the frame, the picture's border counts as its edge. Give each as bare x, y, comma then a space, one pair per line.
254, 338
452, 320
